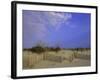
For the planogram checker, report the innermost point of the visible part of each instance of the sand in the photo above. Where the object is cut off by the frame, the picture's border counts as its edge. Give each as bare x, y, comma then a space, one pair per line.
63, 58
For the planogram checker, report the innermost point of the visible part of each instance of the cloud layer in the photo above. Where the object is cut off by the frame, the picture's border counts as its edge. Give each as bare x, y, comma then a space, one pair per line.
55, 27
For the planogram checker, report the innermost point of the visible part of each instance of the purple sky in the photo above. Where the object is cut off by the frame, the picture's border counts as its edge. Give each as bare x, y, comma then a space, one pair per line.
52, 29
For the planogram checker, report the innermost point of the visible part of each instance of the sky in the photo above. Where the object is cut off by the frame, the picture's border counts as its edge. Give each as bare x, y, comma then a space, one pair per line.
53, 29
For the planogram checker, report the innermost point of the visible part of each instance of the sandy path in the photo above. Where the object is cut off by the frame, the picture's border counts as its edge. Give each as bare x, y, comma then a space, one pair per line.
75, 63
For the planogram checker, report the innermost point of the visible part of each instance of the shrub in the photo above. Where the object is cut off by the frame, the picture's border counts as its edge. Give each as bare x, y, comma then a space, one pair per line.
37, 49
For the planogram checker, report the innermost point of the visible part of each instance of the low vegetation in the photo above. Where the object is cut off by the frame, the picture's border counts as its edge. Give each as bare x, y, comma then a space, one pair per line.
39, 49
